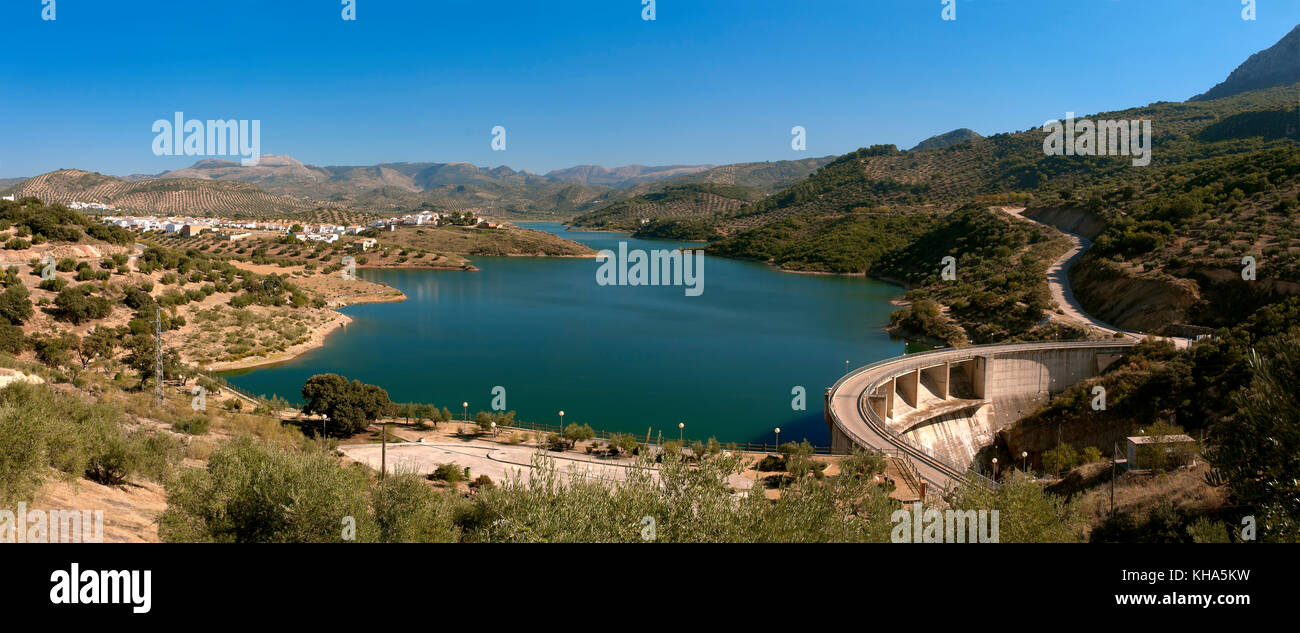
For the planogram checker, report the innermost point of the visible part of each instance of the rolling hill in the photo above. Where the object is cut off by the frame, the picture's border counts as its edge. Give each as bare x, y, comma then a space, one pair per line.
699, 196
948, 139
189, 196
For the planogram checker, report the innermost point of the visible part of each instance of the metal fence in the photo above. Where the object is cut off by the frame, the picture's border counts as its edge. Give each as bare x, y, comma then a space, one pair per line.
653, 440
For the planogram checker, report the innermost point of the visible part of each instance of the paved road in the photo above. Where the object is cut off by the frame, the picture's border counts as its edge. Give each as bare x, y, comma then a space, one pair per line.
1058, 281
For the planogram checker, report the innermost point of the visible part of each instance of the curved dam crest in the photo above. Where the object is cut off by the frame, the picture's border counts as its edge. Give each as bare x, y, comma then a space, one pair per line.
944, 407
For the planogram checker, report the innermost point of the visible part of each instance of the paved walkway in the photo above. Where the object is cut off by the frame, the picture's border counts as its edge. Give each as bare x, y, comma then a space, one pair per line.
498, 461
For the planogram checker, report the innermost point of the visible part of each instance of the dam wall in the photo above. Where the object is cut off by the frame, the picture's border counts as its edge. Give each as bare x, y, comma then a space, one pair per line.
948, 405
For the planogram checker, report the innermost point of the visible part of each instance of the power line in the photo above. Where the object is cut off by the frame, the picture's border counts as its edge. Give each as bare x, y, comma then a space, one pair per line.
158, 357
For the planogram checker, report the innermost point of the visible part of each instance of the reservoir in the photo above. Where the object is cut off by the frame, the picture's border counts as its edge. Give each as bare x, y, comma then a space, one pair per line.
617, 357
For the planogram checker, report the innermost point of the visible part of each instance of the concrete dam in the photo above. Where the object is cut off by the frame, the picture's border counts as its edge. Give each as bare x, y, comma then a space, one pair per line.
942, 408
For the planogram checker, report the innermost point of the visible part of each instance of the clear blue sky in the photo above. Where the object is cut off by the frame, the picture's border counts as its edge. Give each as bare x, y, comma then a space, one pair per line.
588, 81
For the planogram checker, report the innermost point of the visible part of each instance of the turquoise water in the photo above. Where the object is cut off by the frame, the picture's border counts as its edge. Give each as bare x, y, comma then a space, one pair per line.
621, 358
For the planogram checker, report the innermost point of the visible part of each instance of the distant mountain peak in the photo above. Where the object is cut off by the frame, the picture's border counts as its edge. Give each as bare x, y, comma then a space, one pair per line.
1277, 65
948, 139
625, 176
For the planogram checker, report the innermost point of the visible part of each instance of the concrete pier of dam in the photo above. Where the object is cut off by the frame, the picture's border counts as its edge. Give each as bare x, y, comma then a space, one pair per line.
943, 407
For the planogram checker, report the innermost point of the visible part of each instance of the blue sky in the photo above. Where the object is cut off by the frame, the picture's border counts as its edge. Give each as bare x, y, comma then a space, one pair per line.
588, 81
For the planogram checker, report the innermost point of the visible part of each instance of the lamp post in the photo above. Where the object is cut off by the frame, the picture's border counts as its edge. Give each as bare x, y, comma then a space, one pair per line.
1024, 461
846, 366
494, 430
995, 469
561, 423
464, 411
681, 437
778, 438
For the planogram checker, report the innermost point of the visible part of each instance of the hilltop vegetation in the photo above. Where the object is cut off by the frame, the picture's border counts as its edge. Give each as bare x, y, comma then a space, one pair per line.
997, 293
1223, 183
671, 202
695, 198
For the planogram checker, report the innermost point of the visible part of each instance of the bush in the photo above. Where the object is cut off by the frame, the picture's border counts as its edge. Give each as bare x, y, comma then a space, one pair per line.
12, 340
268, 493
43, 429
449, 473
17, 244
1060, 459
196, 425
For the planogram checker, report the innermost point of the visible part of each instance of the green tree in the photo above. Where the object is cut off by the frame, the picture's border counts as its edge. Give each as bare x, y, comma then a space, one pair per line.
55, 351
16, 303
75, 305
350, 406
101, 342
575, 433
1254, 450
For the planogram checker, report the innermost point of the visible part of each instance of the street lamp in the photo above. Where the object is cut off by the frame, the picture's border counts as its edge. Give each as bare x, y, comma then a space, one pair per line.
561, 423
778, 438
995, 469
464, 411
681, 428
494, 430
1024, 458
846, 366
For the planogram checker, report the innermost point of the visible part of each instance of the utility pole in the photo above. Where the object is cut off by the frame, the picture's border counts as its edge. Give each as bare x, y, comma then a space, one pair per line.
158, 357
383, 451
1113, 456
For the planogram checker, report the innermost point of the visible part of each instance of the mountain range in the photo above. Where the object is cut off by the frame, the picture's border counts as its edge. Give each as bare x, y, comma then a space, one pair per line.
749, 194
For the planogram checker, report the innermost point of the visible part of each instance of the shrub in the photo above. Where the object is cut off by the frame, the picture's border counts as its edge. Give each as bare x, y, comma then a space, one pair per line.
1060, 459
196, 425
268, 493
449, 473
12, 340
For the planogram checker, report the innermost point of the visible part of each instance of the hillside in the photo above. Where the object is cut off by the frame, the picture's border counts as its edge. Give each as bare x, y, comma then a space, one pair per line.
168, 196
671, 202
1223, 183
622, 177
702, 196
948, 139
1278, 65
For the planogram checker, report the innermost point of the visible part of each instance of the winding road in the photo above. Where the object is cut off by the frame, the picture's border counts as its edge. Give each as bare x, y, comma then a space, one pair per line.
1058, 282
847, 407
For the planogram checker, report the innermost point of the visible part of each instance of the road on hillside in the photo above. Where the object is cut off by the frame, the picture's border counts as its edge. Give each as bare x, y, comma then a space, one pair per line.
1058, 281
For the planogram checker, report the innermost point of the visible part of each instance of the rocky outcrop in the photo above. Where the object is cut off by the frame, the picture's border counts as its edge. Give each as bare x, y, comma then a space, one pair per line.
1278, 65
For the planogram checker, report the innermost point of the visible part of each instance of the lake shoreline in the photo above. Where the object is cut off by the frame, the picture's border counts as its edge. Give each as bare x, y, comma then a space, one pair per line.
456, 333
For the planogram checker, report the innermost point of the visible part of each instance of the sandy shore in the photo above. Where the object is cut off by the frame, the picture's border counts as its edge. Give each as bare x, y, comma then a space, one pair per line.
315, 340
